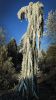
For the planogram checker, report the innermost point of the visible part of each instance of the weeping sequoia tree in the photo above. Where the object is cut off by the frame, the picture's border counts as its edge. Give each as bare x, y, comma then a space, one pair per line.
34, 14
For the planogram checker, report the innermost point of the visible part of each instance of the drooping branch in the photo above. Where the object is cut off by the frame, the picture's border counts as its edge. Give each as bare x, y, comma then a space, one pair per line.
34, 13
